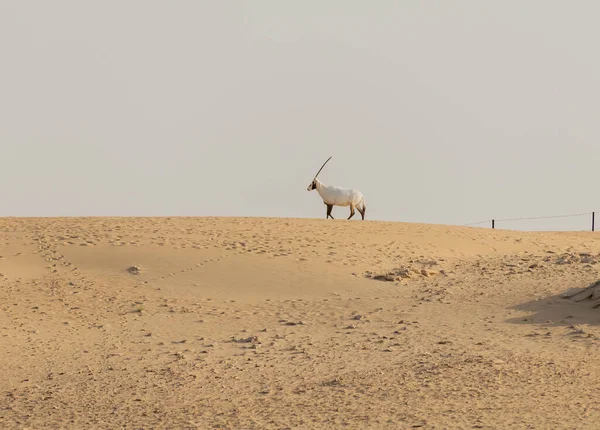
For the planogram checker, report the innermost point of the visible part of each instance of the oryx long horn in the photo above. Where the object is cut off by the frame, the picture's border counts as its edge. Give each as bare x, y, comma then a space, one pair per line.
322, 166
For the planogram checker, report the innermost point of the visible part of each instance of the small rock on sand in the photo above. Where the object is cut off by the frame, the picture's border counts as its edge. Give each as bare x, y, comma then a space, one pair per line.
134, 270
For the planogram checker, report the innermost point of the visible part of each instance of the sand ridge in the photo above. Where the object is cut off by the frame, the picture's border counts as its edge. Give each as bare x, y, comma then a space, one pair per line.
293, 323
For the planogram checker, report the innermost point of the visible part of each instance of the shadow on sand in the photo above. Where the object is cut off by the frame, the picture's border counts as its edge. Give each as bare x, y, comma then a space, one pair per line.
574, 306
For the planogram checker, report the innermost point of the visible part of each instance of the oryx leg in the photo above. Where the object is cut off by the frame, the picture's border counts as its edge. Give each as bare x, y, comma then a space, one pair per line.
351, 211
329, 208
362, 212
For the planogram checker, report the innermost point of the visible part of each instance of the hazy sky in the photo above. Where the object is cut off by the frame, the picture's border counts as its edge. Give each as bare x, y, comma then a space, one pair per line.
439, 112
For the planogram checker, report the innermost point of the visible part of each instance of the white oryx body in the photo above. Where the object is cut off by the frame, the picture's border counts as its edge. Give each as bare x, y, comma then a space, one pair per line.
337, 196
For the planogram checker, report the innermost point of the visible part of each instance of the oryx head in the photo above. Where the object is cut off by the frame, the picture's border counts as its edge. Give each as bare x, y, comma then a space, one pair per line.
313, 184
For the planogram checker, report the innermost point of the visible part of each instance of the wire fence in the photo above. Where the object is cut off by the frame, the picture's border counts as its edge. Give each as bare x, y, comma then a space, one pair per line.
494, 222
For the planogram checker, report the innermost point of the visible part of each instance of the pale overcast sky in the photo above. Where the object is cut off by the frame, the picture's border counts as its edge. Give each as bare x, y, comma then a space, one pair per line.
440, 112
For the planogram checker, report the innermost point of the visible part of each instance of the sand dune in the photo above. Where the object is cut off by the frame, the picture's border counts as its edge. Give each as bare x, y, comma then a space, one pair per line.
286, 323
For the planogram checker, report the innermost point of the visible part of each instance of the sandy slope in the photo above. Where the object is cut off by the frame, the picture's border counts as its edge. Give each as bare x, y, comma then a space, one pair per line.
280, 323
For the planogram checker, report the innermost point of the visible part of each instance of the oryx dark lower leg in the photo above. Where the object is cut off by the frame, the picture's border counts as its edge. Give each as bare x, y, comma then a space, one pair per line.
351, 211
329, 208
362, 213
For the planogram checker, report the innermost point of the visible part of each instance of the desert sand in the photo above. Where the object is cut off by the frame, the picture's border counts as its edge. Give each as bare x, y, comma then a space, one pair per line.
244, 323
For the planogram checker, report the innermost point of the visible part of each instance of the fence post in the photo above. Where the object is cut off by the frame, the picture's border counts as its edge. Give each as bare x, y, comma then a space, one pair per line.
493, 223
593, 220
